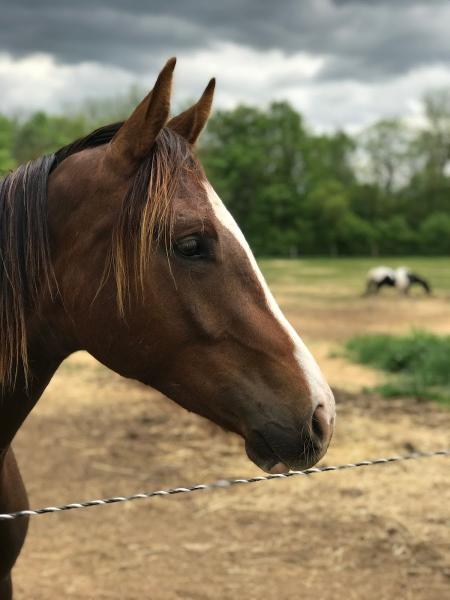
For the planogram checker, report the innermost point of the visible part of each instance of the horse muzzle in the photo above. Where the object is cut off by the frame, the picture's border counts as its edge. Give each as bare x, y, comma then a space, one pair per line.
277, 448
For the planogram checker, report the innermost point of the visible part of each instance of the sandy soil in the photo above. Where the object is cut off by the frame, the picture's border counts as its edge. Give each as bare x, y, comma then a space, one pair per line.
379, 533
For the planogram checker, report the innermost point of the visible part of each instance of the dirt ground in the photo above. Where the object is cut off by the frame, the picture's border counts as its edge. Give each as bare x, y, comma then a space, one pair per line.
378, 533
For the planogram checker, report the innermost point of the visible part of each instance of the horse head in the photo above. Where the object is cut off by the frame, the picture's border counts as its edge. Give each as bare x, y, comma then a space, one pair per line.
159, 283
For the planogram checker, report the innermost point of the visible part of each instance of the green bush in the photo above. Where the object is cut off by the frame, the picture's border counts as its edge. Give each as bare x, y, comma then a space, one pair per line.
419, 363
435, 234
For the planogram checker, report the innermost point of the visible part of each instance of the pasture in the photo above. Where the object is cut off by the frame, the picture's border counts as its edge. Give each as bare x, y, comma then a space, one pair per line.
379, 533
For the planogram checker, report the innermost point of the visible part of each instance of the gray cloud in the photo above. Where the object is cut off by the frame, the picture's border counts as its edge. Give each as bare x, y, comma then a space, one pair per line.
360, 39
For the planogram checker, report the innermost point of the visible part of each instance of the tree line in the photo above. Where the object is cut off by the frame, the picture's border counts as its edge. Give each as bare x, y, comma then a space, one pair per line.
294, 191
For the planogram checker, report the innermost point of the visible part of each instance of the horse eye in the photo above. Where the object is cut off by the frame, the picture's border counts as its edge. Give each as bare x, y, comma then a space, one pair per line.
190, 247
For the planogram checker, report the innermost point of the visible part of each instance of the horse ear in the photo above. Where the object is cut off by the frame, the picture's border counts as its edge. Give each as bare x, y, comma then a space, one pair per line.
190, 122
134, 140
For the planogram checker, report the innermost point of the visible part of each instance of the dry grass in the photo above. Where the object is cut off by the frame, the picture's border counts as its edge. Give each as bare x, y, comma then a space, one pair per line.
375, 534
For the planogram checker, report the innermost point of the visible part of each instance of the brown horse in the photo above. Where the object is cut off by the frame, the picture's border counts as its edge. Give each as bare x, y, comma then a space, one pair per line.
118, 245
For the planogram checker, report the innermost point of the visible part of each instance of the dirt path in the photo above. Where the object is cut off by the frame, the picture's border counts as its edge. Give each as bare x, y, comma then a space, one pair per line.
377, 534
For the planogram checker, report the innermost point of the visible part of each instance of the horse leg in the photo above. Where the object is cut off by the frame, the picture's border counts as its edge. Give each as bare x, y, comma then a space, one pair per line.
371, 288
13, 497
379, 285
6, 588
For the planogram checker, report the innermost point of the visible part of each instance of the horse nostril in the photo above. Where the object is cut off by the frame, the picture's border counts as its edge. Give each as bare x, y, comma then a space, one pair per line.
322, 425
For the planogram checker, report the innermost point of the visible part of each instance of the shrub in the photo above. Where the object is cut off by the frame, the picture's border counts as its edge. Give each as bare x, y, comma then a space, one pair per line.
419, 362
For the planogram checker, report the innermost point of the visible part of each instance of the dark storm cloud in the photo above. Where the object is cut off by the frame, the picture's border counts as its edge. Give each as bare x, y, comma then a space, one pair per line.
361, 39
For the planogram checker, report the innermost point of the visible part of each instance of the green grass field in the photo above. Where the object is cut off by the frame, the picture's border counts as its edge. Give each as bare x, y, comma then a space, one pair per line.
324, 298
352, 271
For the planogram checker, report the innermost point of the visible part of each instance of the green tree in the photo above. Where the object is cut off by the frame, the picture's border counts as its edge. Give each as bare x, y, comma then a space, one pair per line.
42, 134
292, 190
7, 132
385, 154
395, 236
256, 162
433, 143
327, 207
435, 234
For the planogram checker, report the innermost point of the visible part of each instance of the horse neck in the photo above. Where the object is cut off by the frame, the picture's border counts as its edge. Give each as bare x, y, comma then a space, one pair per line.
46, 351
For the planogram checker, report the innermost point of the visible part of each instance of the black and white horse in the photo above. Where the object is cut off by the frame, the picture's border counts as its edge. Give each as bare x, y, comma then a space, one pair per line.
401, 278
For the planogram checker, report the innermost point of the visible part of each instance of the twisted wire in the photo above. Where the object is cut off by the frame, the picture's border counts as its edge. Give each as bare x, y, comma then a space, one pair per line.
223, 483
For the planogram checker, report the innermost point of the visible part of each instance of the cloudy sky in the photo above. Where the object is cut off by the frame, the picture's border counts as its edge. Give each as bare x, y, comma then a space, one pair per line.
343, 63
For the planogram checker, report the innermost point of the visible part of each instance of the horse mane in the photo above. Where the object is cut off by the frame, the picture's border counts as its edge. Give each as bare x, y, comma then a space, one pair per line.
26, 271
98, 137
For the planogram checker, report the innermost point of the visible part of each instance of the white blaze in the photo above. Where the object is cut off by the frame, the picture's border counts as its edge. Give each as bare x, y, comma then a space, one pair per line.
320, 390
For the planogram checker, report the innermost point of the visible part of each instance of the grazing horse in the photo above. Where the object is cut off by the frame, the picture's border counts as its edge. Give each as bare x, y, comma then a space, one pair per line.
118, 245
401, 278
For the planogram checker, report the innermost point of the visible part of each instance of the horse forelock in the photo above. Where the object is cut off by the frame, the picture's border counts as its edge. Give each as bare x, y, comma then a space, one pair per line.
147, 213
